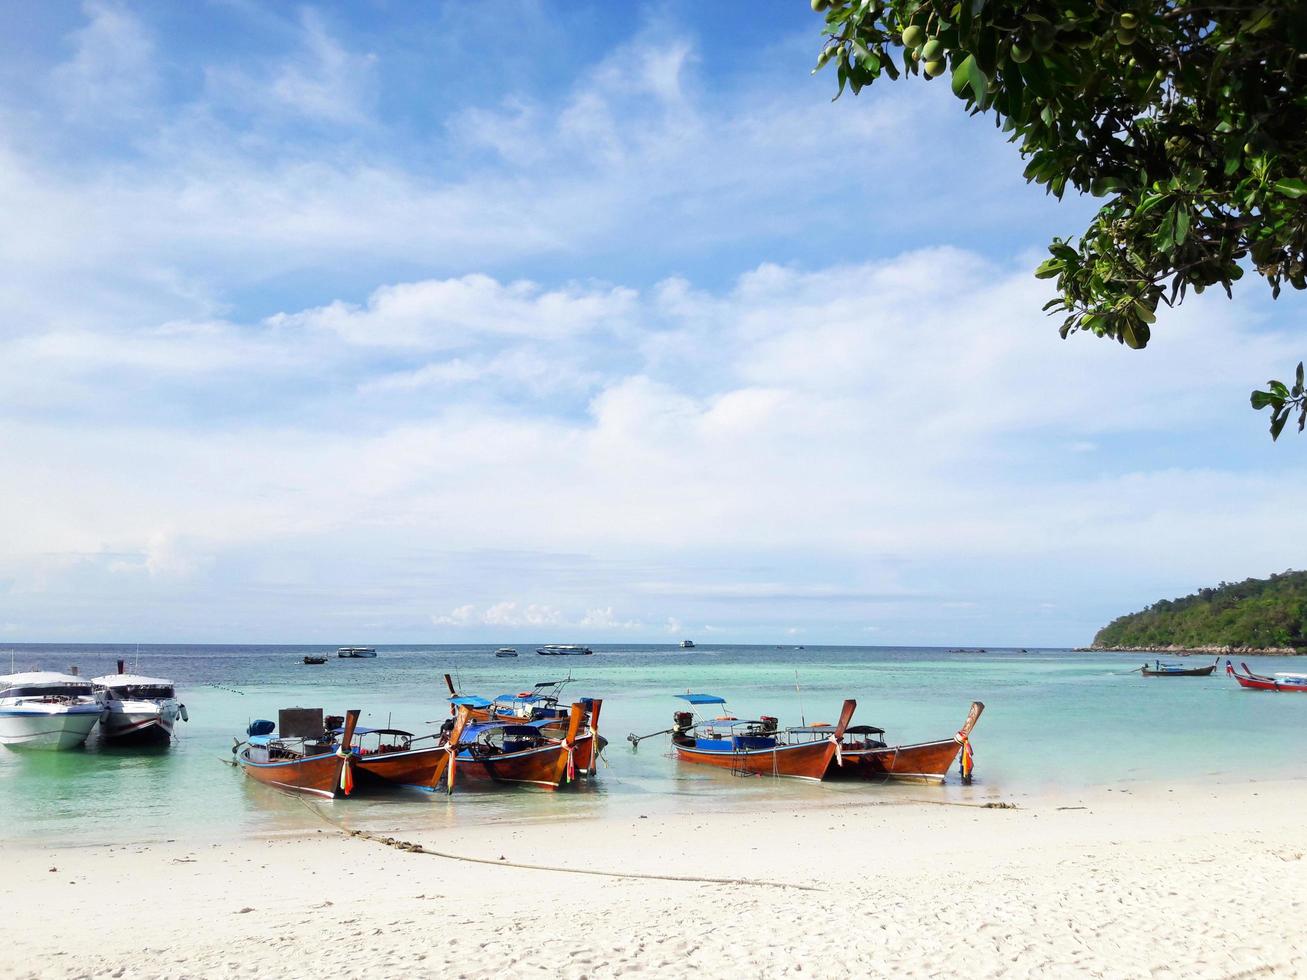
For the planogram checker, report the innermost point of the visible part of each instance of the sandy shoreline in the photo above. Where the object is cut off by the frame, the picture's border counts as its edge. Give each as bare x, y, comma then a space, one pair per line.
1176, 880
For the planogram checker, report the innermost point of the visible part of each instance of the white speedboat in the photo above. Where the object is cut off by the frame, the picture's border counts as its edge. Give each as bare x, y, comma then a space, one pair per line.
357, 653
44, 710
687, 644
137, 708
564, 650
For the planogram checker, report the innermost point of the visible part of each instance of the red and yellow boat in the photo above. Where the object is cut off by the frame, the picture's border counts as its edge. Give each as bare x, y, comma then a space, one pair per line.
757, 746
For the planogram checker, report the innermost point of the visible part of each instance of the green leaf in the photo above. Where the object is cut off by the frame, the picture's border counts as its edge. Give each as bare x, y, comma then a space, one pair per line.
1277, 424
1049, 268
968, 74
1292, 187
1260, 399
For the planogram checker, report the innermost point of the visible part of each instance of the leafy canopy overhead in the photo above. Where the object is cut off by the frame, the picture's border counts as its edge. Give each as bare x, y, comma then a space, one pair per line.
1188, 118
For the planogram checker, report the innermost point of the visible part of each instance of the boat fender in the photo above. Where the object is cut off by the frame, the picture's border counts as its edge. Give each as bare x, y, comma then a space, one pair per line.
181, 708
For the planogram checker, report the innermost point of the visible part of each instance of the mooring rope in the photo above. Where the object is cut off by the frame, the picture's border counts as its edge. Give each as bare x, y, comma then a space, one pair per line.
413, 848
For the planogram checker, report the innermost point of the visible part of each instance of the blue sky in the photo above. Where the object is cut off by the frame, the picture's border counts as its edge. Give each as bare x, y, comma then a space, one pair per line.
392, 322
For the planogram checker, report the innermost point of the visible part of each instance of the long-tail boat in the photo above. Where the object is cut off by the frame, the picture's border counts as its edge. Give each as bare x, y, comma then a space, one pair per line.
299, 754
865, 755
541, 703
521, 752
1159, 668
1260, 682
397, 757
756, 746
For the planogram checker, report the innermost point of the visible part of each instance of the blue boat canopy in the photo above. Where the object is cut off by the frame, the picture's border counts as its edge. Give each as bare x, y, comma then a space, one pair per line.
521, 698
702, 698
470, 701
472, 732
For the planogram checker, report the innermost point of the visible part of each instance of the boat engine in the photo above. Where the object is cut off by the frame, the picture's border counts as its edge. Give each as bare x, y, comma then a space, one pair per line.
769, 724
332, 722
684, 720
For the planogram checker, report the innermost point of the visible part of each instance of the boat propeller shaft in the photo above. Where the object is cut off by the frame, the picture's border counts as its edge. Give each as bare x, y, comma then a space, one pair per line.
635, 739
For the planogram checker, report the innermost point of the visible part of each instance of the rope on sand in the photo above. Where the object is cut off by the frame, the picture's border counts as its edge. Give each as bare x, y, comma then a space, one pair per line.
412, 848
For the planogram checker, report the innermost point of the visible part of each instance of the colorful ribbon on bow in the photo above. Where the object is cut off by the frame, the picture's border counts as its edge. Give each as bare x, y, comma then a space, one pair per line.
839, 756
968, 756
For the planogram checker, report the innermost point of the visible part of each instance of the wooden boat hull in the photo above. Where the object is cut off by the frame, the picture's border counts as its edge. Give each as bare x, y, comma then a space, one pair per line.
545, 766
422, 769
316, 775
809, 760
1188, 672
1259, 682
924, 762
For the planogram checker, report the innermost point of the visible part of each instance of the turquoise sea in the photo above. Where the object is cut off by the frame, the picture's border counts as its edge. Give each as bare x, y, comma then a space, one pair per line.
1053, 718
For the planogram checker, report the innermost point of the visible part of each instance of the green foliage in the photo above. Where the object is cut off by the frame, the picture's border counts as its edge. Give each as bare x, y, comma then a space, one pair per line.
1258, 613
1189, 118
1283, 401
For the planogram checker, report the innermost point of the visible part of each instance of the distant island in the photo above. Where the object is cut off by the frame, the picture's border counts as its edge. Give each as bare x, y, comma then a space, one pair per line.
1257, 615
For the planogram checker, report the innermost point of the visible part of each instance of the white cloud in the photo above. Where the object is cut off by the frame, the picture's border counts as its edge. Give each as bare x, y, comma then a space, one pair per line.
110, 76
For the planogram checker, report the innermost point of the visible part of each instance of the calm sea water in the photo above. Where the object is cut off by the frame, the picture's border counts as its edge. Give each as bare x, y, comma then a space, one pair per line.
1052, 718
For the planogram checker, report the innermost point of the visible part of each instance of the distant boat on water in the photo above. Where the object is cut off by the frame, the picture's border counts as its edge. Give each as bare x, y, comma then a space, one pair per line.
1161, 669
564, 650
357, 653
138, 709
1258, 682
311, 659
687, 644
46, 710
505, 652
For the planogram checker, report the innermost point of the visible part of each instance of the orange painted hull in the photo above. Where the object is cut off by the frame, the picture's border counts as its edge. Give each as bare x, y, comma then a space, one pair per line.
318, 775
545, 766
809, 760
417, 768
928, 762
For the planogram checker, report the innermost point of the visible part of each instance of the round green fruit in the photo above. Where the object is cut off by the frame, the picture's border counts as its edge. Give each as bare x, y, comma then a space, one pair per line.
913, 36
1125, 37
932, 50
1020, 54
935, 68
1128, 20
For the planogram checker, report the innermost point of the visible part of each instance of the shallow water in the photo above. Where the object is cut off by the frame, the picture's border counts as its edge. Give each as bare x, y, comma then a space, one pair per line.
1052, 718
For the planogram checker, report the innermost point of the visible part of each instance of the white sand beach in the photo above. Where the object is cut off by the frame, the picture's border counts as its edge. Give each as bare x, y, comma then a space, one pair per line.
1136, 881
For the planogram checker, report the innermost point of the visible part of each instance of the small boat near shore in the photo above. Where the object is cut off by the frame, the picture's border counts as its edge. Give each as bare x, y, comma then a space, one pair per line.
356, 653
524, 752
1160, 668
564, 650
46, 710
138, 709
542, 704
756, 746
299, 754
865, 755
396, 757
1283, 681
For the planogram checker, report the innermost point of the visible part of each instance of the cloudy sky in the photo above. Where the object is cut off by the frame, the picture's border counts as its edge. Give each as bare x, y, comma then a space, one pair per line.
394, 322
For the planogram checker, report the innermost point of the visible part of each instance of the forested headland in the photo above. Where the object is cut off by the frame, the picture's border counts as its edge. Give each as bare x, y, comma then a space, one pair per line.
1257, 615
